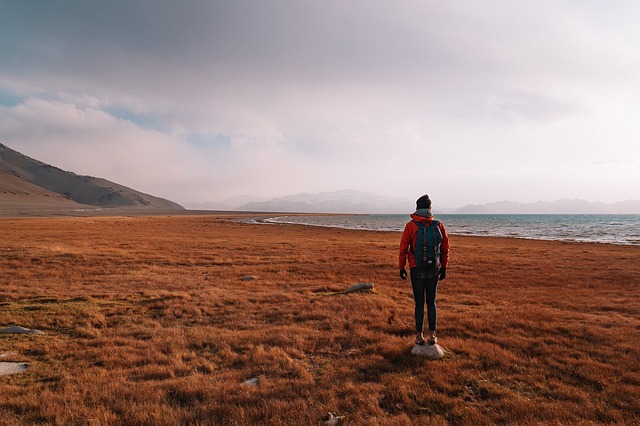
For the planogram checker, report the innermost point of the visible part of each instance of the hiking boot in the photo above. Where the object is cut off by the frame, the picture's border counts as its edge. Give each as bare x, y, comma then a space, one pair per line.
432, 339
419, 339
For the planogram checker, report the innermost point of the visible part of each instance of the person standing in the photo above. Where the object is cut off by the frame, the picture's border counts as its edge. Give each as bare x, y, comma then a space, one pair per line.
425, 246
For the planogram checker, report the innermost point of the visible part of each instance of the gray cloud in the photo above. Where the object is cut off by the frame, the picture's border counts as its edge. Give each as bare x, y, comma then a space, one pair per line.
315, 85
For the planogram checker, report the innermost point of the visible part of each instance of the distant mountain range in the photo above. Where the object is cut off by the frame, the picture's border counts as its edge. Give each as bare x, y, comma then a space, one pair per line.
229, 204
563, 206
345, 201
26, 183
350, 201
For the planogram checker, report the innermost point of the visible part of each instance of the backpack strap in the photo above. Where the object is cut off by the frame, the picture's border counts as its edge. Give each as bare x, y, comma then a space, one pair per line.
436, 244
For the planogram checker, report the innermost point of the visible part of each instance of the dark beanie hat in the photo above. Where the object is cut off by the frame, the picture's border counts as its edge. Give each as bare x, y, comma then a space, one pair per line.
423, 202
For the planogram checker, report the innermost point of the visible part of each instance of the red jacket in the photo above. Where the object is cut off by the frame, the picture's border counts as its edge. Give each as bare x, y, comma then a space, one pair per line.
408, 241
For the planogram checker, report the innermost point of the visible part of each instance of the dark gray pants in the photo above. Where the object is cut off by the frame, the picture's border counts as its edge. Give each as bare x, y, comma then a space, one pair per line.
424, 286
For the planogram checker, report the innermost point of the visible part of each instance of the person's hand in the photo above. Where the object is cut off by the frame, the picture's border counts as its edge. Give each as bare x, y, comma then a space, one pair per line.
443, 274
403, 274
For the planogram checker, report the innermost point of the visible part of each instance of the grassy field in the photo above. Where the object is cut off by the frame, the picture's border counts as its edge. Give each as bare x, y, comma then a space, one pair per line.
148, 322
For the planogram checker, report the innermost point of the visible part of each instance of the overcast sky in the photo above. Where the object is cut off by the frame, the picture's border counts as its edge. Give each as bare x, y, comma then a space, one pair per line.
469, 101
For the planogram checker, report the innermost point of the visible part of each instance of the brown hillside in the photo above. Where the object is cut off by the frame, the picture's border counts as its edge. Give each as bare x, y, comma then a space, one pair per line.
86, 190
18, 195
147, 321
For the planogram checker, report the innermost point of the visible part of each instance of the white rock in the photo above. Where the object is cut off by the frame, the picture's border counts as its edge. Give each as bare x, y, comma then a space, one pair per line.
16, 329
333, 419
252, 382
7, 368
428, 351
359, 287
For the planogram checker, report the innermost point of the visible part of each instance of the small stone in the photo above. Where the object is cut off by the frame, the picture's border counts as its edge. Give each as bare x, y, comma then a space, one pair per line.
333, 419
359, 287
7, 368
248, 278
252, 382
16, 329
428, 351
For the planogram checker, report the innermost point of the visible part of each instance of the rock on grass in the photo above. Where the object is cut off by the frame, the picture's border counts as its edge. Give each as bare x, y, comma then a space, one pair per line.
428, 351
16, 329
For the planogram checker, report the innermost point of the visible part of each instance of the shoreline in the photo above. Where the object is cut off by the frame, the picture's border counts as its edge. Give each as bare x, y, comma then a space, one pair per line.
262, 218
568, 239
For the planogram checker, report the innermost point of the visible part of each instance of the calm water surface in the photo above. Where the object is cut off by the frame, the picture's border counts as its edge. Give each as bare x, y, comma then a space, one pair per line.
615, 229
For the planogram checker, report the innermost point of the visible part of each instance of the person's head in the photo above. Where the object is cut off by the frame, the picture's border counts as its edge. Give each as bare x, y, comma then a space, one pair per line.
423, 202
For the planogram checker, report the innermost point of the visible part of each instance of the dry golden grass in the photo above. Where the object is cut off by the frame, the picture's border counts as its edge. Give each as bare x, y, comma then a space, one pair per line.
147, 322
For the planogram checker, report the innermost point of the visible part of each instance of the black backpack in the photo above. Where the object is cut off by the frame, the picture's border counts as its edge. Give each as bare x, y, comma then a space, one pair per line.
427, 249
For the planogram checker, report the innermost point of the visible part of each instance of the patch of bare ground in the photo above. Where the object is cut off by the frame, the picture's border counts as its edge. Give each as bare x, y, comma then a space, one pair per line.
147, 322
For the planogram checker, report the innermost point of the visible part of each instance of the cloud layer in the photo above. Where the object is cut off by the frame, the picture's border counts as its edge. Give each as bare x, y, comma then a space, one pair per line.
208, 100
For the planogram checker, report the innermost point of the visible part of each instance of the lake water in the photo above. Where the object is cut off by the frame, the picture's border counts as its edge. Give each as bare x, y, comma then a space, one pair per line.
614, 229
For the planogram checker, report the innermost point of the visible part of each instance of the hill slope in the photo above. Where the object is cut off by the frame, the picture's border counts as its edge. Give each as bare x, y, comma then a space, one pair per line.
16, 192
29, 181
